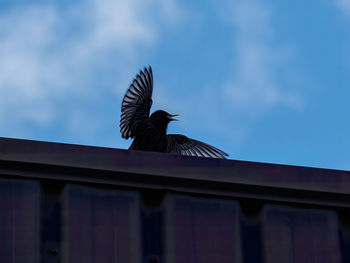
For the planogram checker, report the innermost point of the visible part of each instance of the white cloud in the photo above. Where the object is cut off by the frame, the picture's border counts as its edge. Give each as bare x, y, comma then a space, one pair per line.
344, 5
23, 64
260, 64
51, 57
263, 78
53, 62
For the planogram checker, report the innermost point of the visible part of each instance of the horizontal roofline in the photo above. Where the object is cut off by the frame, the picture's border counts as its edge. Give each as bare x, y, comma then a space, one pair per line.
150, 170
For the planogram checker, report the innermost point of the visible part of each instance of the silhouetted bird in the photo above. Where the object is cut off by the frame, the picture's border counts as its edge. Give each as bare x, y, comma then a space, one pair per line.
149, 132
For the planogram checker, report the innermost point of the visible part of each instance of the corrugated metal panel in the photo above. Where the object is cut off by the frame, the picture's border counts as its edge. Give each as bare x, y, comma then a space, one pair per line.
20, 221
201, 230
101, 225
90, 204
301, 235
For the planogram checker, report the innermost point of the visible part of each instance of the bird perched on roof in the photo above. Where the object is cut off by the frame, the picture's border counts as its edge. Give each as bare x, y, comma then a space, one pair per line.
150, 132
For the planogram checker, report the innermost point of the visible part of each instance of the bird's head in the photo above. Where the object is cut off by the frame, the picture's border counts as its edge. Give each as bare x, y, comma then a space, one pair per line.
161, 119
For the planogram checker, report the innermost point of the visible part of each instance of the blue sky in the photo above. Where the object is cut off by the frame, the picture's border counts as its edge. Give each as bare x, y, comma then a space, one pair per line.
265, 81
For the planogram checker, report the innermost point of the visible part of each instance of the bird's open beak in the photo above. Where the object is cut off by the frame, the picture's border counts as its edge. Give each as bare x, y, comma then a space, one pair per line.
173, 119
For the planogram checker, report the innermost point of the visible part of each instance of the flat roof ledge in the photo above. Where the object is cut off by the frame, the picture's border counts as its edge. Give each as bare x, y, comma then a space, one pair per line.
231, 178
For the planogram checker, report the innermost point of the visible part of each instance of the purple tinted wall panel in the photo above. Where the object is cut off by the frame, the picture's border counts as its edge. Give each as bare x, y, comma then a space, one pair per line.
101, 225
19, 221
201, 230
46, 213
301, 235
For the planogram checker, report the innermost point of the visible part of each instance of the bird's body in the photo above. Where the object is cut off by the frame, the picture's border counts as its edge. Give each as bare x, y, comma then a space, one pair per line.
150, 132
149, 137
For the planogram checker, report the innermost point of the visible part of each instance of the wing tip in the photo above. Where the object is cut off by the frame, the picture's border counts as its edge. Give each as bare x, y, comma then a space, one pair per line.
147, 69
224, 154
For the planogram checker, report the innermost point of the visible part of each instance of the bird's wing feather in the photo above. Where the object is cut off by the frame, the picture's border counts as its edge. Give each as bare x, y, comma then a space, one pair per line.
180, 144
137, 103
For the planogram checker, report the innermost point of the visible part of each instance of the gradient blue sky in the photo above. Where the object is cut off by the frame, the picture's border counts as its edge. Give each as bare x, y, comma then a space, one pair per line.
264, 81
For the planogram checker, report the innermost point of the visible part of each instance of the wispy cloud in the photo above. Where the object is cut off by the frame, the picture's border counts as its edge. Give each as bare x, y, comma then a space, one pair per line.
60, 65
53, 58
260, 66
262, 78
344, 6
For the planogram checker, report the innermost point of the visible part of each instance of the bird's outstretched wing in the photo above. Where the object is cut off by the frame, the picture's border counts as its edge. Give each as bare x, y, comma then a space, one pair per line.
180, 144
137, 103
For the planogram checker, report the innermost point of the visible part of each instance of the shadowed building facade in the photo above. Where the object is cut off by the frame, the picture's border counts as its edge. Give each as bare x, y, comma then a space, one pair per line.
72, 203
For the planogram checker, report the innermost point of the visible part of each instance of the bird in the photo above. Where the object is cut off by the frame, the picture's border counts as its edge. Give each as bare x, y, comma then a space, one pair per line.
149, 132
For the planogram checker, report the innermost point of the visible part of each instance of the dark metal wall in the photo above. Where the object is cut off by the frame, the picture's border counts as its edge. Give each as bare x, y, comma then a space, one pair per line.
20, 221
54, 212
